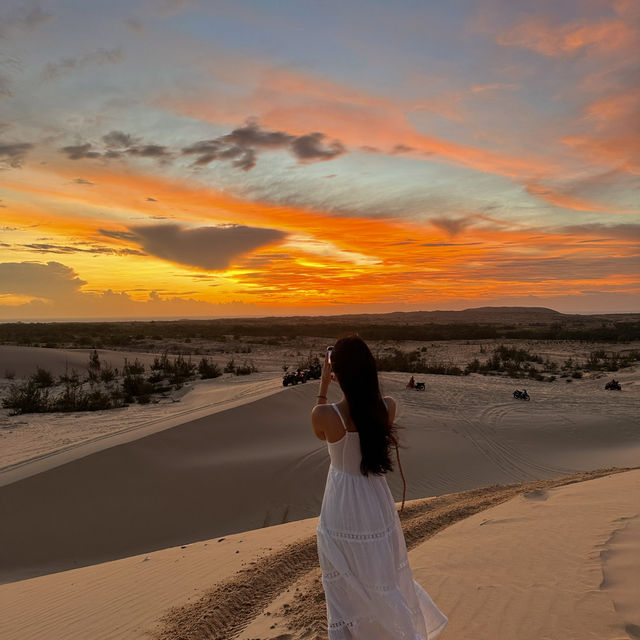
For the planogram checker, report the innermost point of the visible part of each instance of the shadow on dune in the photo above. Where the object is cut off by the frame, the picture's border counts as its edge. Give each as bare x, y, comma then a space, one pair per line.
252, 466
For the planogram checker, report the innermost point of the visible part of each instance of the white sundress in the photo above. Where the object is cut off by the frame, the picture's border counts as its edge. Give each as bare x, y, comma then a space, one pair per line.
368, 584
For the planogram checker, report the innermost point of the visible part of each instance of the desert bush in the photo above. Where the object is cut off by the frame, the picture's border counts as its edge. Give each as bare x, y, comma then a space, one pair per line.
134, 368
28, 397
135, 386
42, 378
245, 369
414, 362
208, 369
230, 367
473, 366
107, 375
181, 370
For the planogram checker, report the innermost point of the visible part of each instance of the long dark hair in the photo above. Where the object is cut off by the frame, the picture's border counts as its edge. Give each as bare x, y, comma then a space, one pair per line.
355, 368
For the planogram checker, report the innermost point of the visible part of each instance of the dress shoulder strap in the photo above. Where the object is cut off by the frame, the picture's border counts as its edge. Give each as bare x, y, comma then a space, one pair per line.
340, 416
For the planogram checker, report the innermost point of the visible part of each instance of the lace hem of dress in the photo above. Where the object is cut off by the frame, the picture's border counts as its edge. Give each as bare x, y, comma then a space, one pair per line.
354, 622
361, 536
333, 576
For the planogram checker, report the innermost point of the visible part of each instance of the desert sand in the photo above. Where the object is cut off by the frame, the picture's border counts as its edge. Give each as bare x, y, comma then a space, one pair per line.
109, 519
549, 560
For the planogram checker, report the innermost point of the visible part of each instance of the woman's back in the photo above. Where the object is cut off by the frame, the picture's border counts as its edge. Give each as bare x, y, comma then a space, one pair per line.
345, 453
354, 503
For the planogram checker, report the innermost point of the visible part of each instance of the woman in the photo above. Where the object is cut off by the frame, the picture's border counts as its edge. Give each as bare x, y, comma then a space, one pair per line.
369, 588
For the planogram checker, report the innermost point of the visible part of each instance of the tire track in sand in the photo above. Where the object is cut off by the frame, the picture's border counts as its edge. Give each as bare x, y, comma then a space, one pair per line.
228, 607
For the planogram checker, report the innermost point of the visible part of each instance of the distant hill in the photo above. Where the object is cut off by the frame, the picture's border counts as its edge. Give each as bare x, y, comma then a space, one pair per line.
501, 316
469, 324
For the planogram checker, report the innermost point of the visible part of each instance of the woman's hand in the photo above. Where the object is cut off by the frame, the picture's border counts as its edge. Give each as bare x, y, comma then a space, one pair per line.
325, 379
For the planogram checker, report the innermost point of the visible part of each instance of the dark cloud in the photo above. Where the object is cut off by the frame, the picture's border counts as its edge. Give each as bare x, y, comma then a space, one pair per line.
311, 147
150, 199
99, 57
119, 235
93, 249
117, 144
12, 155
118, 140
79, 151
243, 144
448, 244
148, 151
48, 280
402, 148
451, 226
83, 181
240, 147
208, 248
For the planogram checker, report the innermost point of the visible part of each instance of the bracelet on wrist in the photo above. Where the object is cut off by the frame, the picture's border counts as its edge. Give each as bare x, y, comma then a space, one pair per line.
325, 397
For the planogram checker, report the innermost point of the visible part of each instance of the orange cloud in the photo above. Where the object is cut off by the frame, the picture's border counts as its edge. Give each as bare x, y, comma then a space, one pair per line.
620, 149
326, 259
615, 108
539, 35
299, 103
569, 201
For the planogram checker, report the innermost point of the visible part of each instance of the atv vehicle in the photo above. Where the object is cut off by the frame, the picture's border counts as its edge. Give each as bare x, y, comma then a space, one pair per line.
293, 377
614, 385
314, 372
521, 395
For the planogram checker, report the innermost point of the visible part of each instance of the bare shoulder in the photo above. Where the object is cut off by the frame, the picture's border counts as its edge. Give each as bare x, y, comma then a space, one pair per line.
321, 412
321, 419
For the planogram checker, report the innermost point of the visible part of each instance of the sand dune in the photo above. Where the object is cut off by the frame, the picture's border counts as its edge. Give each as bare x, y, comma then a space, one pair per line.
561, 563
37, 442
258, 464
548, 563
22, 361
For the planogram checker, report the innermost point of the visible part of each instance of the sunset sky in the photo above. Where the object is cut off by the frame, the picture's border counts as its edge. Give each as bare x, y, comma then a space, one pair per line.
185, 158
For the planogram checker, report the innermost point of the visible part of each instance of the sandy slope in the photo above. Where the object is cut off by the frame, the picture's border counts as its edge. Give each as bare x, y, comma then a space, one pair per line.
259, 464
56, 438
556, 563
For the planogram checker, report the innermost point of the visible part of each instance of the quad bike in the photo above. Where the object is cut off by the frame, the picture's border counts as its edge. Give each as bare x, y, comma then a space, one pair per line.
290, 378
521, 395
420, 386
314, 372
614, 385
